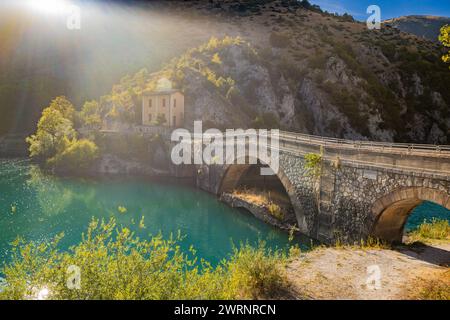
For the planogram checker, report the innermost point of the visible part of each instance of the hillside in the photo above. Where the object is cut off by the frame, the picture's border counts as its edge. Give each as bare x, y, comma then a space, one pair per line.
427, 27
292, 67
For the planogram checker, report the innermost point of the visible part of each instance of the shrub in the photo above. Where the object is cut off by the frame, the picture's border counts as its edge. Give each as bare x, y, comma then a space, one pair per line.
313, 164
436, 289
115, 264
256, 272
275, 211
436, 229
75, 156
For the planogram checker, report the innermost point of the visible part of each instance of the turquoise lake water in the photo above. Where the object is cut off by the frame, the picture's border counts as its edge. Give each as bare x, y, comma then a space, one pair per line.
37, 206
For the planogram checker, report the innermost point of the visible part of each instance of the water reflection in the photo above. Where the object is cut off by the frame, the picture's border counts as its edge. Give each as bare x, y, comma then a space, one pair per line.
46, 205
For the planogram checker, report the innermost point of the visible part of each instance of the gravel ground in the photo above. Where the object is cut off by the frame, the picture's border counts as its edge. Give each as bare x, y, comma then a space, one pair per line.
349, 273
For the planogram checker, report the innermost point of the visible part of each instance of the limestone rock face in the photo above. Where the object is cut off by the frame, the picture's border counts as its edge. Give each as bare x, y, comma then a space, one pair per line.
300, 69
334, 101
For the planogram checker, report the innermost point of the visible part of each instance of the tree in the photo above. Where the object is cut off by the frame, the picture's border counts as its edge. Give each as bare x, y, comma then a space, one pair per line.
55, 140
305, 4
65, 107
75, 155
445, 39
52, 128
90, 114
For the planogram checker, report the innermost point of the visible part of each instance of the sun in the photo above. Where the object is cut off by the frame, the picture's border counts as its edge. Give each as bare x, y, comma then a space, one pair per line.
49, 6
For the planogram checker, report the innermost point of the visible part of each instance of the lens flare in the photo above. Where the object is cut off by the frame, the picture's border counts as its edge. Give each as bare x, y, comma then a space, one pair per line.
49, 6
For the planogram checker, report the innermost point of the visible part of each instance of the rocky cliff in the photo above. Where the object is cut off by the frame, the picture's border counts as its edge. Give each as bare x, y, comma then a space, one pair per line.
304, 70
286, 64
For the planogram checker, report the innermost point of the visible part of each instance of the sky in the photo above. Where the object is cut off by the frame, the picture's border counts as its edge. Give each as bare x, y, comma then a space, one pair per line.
389, 8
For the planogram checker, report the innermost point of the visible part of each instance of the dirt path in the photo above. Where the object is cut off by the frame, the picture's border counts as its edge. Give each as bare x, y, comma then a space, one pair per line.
334, 273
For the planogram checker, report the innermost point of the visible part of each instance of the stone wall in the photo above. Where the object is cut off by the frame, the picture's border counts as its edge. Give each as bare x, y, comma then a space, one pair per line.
259, 211
303, 193
344, 203
358, 188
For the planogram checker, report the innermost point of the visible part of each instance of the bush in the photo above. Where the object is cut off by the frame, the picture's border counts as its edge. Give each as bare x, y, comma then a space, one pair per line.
275, 211
255, 272
77, 155
436, 289
435, 230
115, 264
313, 164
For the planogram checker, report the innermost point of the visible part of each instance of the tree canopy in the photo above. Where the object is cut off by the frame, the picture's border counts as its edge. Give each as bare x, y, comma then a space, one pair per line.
56, 141
445, 39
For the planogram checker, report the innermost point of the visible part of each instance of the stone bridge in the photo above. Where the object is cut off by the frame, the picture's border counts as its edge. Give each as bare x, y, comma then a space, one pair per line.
364, 189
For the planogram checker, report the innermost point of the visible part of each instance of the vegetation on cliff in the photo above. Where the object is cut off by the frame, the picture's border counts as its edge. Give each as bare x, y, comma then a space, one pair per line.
306, 70
445, 39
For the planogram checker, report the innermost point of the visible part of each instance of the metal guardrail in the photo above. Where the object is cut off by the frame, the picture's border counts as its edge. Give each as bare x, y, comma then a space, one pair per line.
327, 141
358, 144
319, 140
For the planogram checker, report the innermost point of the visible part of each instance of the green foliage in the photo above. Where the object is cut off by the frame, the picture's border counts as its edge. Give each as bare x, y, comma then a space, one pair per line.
65, 107
128, 146
275, 211
52, 129
380, 94
124, 102
216, 59
444, 37
115, 264
349, 105
90, 114
433, 230
255, 272
313, 164
412, 60
55, 140
76, 155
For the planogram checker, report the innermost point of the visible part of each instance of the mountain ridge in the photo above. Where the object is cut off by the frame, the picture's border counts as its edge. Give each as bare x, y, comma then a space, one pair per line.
425, 26
313, 72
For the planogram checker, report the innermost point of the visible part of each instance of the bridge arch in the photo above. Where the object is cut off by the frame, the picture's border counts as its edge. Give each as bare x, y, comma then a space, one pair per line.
391, 211
233, 173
